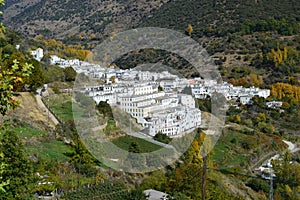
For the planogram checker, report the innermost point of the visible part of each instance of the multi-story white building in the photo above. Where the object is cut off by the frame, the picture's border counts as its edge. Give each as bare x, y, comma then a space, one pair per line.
161, 108
174, 121
142, 89
139, 105
147, 76
245, 99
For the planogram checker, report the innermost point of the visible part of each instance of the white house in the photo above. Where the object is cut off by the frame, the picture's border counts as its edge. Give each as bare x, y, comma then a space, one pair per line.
54, 59
245, 99
155, 195
274, 104
38, 54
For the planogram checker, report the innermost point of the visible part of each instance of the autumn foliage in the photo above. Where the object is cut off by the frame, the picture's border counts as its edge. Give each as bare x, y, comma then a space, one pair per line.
277, 57
286, 91
64, 51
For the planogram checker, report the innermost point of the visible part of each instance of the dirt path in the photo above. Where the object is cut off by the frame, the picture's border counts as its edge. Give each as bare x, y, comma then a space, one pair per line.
42, 106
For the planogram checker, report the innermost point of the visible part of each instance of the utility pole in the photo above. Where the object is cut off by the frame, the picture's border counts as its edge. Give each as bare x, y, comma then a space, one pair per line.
130, 123
205, 152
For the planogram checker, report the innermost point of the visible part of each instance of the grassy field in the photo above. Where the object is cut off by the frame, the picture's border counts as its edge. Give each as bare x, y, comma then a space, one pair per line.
53, 150
228, 152
61, 106
36, 143
239, 149
125, 141
26, 132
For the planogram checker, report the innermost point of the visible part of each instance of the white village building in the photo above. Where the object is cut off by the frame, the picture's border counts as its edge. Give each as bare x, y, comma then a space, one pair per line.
230, 92
37, 54
174, 121
274, 104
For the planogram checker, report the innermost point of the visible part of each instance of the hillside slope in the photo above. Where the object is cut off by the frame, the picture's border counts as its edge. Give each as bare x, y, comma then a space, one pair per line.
31, 113
64, 18
73, 17
214, 15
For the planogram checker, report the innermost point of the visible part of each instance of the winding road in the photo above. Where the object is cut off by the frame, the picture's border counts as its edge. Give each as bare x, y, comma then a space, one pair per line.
291, 146
273, 156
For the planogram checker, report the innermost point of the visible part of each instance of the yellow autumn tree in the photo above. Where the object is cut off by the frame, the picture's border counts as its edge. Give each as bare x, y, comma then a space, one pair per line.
92, 36
255, 80
190, 29
285, 53
82, 54
285, 90
277, 57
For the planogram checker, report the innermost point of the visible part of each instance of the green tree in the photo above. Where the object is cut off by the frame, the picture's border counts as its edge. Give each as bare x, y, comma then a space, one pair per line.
3, 181
235, 119
70, 74
162, 138
80, 153
134, 148
112, 79
261, 117
287, 176
2, 27
160, 89
186, 179
8, 49
19, 170
255, 80
266, 127
192, 155
105, 109
206, 153
37, 78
